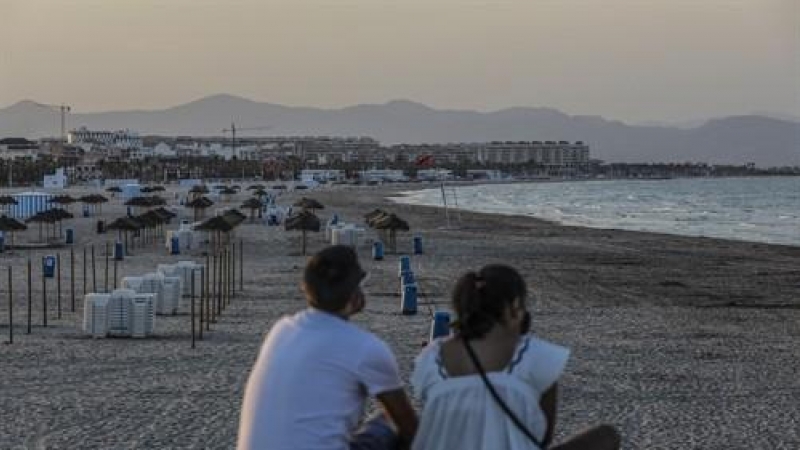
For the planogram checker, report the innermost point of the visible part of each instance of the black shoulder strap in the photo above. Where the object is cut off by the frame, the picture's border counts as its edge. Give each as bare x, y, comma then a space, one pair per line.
517, 422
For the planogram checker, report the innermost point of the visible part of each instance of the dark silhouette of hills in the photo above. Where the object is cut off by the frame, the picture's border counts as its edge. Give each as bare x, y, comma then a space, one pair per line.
766, 141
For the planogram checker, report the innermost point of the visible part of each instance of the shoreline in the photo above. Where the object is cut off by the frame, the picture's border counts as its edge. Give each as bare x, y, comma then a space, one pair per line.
399, 195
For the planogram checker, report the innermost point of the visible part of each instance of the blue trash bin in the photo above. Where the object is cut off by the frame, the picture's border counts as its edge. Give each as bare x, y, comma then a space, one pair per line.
405, 264
440, 325
2, 242
417, 245
119, 251
130, 211
49, 266
409, 300
70, 236
407, 278
377, 250
174, 246
85, 210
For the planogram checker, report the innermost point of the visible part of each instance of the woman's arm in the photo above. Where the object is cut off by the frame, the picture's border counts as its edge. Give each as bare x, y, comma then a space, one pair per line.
549, 404
399, 409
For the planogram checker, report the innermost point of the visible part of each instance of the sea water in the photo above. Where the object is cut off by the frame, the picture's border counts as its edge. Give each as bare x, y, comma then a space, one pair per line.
762, 209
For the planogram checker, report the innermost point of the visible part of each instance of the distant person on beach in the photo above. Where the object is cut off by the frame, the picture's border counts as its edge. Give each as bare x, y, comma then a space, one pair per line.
315, 371
492, 384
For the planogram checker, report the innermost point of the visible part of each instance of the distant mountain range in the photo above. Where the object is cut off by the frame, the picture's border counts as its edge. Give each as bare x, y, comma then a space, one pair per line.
766, 141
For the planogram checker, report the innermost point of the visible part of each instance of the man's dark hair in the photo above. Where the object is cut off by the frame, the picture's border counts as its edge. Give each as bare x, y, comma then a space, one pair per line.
331, 276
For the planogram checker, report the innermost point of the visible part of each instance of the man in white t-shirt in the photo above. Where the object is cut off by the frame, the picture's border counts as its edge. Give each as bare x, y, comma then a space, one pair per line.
316, 370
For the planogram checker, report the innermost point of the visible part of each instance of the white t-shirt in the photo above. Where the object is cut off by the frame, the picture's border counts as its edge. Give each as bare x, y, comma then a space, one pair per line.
460, 413
309, 384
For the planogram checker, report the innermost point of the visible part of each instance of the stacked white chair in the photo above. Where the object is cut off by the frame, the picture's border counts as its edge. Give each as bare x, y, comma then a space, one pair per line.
119, 312
171, 295
95, 315
133, 283
143, 315
153, 283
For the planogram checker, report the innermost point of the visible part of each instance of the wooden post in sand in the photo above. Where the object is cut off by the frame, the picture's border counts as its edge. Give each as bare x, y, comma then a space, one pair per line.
115, 273
72, 276
30, 295
233, 269
44, 297
241, 265
84, 271
209, 310
192, 306
219, 286
10, 307
58, 283
202, 299
94, 272
106, 279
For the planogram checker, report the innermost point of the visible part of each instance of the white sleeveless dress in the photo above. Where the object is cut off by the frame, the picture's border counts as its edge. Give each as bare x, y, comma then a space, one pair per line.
460, 413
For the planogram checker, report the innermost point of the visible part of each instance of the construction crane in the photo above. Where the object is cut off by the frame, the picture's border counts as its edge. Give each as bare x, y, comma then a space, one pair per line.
232, 130
64, 109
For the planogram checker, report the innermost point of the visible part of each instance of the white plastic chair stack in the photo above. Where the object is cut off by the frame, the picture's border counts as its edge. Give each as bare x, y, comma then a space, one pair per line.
143, 315
119, 312
171, 295
153, 283
133, 283
95, 315
168, 270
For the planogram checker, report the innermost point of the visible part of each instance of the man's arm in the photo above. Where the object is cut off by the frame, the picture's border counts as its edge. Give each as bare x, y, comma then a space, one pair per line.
549, 405
398, 408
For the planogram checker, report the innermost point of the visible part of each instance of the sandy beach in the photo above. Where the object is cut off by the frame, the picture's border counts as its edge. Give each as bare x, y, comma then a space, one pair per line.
679, 342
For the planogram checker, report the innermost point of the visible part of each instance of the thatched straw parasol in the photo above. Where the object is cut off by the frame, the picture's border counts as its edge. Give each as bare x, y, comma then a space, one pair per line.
199, 205
125, 225
198, 190
94, 201
304, 221
11, 225
65, 200
309, 203
255, 187
6, 201
252, 204
226, 193
392, 224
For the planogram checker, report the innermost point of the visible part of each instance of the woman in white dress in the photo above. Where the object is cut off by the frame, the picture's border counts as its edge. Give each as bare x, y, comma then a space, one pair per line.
492, 385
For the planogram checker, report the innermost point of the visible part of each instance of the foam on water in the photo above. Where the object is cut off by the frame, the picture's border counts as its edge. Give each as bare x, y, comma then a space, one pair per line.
749, 209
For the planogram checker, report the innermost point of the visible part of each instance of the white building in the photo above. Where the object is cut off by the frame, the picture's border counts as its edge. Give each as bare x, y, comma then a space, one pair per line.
322, 175
123, 139
16, 148
435, 174
383, 175
56, 181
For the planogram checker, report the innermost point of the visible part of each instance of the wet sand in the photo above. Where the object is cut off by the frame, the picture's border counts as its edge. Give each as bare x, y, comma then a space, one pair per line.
679, 342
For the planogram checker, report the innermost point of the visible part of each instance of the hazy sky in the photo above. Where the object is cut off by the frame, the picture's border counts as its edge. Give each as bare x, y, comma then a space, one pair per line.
634, 60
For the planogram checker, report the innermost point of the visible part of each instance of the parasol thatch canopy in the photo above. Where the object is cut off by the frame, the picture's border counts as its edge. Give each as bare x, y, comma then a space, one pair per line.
308, 203
63, 200
124, 224
255, 187
304, 221
115, 189
10, 224
251, 203
228, 191
373, 215
390, 222
146, 202
216, 223
7, 200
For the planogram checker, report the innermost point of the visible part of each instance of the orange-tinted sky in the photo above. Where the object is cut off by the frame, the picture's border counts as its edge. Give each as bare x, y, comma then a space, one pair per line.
634, 60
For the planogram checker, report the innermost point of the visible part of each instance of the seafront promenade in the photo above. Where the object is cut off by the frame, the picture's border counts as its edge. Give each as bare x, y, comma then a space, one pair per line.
679, 342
